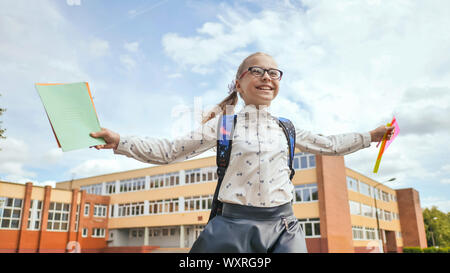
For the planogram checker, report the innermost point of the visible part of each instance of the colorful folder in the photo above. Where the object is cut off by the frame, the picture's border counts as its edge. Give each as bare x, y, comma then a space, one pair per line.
71, 112
385, 144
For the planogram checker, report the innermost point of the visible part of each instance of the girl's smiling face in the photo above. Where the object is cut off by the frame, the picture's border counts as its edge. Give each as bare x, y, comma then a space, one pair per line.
258, 90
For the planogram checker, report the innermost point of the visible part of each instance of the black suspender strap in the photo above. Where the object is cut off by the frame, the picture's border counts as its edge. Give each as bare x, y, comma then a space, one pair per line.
224, 141
289, 131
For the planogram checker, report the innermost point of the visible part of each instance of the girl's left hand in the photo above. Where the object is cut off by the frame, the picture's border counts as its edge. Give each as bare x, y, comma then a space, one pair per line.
378, 133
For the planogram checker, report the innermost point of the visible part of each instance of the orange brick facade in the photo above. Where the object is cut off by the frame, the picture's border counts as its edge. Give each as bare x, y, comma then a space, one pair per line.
335, 223
43, 241
411, 218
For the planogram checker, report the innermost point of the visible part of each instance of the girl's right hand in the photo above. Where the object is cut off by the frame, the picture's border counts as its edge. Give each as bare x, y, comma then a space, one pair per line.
111, 138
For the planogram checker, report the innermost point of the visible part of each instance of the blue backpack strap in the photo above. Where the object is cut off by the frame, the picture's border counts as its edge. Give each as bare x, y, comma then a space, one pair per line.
289, 131
224, 142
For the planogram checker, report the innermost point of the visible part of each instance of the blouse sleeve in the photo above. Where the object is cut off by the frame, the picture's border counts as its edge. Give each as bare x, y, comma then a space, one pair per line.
338, 145
164, 151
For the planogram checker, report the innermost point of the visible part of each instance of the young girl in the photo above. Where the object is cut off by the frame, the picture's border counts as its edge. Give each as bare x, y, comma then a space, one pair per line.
256, 191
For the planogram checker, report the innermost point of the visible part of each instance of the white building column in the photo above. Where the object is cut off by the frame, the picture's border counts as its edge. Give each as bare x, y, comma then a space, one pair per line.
117, 186
147, 182
103, 188
182, 175
116, 210
146, 236
146, 207
181, 204
182, 236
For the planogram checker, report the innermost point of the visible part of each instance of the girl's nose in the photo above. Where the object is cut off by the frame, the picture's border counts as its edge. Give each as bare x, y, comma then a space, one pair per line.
265, 76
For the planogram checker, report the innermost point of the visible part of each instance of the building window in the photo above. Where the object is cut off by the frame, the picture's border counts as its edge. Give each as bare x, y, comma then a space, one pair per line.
34, 216
100, 210
193, 176
209, 174
352, 184
304, 161
156, 181
364, 233
378, 194
131, 209
387, 215
364, 188
306, 193
86, 210
358, 232
134, 184
310, 226
355, 207
165, 232
367, 210
136, 233
84, 233
110, 187
111, 211
380, 214
92, 189
196, 203
10, 212
385, 196
397, 217
164, 180
58, 217
370, 233
98, 233
77, 218
173, 231
163, 206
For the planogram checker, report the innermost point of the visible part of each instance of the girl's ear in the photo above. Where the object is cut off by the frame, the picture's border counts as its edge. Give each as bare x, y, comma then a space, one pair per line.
238, 86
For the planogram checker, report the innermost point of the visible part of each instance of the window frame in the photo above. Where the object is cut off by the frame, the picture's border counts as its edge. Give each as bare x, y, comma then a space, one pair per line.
11, 206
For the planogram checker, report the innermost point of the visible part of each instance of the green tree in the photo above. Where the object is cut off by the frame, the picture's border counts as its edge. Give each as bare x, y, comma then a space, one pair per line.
437, 227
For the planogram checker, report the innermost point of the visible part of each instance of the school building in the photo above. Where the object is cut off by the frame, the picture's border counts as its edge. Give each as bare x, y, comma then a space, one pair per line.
164, 209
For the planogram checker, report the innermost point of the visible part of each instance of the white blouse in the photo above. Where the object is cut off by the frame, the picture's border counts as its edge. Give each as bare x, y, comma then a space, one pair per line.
258, 172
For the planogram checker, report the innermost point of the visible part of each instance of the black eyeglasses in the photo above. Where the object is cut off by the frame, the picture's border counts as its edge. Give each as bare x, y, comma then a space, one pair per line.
274, 74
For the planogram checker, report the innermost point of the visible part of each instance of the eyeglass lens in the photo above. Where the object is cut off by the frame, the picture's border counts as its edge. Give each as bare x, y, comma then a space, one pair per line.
259, 72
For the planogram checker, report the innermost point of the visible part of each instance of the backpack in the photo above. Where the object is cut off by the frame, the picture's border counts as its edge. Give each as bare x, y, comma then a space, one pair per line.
224, 141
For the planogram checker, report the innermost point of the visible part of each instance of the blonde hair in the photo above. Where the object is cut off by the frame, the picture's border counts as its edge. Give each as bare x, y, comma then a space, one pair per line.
227, 105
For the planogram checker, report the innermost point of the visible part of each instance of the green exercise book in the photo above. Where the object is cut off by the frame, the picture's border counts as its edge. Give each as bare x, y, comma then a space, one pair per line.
71, 112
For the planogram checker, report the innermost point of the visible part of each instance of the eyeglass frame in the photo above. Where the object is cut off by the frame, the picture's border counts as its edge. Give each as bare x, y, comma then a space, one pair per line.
265, 70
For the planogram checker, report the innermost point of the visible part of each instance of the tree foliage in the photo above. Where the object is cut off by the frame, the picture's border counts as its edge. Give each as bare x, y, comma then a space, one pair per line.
437, 227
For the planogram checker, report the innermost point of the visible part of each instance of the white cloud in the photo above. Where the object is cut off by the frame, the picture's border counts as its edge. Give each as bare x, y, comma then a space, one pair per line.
94, 167
15, 172
128, 62
53, 156
442, 204
131, 47
211, 29
15, 154
99, 48
174, 75
73, 2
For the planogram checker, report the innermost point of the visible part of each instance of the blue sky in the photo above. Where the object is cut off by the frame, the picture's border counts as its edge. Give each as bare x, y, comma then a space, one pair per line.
348, 67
